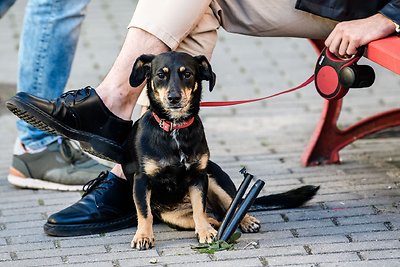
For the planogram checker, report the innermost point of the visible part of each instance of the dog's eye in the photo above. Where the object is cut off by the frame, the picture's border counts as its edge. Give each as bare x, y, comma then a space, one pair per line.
187, 75
161, 75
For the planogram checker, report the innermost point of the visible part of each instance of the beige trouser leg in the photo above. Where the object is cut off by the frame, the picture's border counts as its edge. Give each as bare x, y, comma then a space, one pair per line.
191, 26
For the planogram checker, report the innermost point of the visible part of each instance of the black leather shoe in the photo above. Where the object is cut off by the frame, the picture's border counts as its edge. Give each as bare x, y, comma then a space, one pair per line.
78, 114
106, 206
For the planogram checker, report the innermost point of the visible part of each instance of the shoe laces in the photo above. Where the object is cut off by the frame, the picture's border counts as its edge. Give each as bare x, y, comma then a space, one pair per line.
71, 151
74, 95
96, 184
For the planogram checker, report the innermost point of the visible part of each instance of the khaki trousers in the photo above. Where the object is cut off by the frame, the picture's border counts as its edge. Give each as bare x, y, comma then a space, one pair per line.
191, 25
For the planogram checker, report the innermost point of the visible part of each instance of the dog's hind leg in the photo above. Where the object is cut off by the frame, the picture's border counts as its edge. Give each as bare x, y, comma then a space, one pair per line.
221, 178
182, 218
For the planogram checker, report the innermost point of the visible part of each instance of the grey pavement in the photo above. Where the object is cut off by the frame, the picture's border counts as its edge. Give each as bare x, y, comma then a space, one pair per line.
353, 221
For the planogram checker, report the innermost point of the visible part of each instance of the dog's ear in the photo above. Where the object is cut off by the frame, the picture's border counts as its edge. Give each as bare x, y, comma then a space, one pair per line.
206, 72
141, 70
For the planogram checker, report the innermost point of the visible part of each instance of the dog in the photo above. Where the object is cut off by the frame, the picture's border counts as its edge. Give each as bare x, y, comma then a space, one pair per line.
167, 157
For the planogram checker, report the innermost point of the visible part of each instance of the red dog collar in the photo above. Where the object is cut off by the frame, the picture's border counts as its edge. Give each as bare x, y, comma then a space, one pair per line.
170, 126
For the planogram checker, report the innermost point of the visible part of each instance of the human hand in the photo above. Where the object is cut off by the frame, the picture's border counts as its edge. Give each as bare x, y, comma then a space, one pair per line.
347, 36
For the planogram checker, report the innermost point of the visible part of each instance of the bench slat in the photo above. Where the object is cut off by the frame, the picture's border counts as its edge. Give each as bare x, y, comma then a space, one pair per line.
385, 52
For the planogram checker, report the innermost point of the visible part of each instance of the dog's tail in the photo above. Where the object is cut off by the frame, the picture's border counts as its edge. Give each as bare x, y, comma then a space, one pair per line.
290, 199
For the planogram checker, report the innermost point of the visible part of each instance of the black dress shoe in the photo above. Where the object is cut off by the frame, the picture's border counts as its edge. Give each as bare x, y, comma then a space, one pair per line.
107, 205
78, 114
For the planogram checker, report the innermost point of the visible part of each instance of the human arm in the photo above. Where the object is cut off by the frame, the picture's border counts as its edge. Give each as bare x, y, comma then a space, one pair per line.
347, 36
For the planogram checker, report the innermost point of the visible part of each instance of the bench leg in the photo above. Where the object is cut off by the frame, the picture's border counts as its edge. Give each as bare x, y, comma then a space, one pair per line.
328, 139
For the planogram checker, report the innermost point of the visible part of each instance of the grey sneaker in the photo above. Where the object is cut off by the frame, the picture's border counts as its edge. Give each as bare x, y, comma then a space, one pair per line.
61, 166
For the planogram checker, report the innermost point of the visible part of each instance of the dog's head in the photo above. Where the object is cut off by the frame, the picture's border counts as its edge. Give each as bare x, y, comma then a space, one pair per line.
173, 82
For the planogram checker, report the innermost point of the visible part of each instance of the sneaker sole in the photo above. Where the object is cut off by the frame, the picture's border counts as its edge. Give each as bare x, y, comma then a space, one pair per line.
91, 228
32, 183
94, 144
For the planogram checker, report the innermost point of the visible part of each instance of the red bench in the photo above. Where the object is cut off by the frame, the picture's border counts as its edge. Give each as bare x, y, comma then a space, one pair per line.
327, 139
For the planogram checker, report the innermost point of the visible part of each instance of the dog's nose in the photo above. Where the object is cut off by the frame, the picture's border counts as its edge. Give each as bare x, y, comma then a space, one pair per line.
174, 98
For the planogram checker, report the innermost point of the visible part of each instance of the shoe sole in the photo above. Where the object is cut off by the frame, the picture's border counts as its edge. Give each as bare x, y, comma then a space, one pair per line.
32, 183
90, 228
94, 144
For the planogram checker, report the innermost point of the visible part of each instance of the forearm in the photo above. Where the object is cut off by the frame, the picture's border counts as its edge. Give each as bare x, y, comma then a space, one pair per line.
350, 35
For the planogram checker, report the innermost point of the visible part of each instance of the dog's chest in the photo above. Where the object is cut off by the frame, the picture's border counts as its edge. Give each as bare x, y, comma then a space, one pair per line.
182, 155
174, 172
175, 160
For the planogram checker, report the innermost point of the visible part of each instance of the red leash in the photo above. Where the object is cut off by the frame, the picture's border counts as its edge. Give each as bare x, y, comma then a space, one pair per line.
238, 102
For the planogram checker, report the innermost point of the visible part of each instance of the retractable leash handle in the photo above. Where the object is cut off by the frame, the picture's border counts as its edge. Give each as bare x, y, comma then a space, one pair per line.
334, 76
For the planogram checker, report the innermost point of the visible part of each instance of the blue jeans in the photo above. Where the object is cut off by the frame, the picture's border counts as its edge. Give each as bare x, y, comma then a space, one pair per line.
47, 47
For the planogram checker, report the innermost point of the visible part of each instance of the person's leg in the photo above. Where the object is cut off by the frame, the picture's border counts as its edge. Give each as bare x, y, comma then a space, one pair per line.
5, 6
104, 130
84, 217
114, 101
114, 90
201, 39
47, 46
149, 32
267, 18
271, 18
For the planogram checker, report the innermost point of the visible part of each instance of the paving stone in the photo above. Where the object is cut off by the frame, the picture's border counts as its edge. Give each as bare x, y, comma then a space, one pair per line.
356, 246
379, 235
93, 264
367, 219
26, 247
302, 240
381, 254
353, 221
296, 224
369, 263
5, 256
336, 258
261, 252
34, 262
167, 260
342, 229
236, 262
299, 216
61, 252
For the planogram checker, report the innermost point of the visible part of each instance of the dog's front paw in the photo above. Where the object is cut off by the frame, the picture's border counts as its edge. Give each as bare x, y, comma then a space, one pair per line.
206, 235
142, 242
250, 224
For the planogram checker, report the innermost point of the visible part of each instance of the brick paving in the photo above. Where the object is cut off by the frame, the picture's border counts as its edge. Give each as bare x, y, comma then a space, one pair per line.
353, 221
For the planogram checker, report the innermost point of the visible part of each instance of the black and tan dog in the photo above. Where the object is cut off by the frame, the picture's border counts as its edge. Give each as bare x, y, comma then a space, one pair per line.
167, 157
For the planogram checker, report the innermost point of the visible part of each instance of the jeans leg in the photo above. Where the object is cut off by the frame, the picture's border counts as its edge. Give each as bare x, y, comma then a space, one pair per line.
47, 47
5, 6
